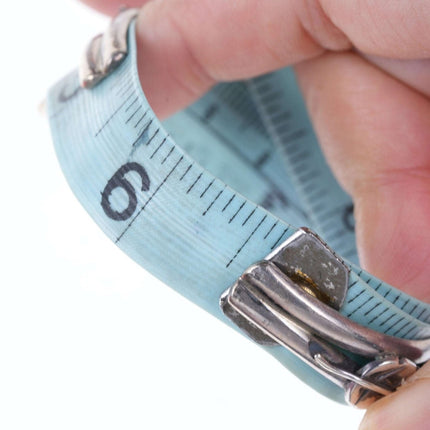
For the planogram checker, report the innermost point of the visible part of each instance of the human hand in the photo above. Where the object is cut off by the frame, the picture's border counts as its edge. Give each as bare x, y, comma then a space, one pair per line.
362, 68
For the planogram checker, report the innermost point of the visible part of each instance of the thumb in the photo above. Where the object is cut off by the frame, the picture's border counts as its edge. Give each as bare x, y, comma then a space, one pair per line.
406, 408
375, 132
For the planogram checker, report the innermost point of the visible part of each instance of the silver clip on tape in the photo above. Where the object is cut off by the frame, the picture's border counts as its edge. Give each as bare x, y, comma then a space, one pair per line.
291, 299
106, 51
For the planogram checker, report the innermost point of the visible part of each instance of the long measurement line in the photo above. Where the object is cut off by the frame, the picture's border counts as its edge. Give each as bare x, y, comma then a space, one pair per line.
149, 200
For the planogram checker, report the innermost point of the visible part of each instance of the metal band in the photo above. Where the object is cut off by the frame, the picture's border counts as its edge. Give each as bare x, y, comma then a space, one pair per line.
198, 228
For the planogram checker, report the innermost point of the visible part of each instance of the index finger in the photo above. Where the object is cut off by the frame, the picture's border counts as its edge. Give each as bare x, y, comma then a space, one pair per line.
187, 45
393, 29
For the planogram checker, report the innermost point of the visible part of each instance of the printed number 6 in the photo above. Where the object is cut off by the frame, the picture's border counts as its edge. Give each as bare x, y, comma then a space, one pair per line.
118, 180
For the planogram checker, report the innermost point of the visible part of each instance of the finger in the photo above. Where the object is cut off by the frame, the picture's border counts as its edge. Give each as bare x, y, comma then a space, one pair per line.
415, 73
111, 7
394, 29
408, 408
389, 29
186, 45
375, 133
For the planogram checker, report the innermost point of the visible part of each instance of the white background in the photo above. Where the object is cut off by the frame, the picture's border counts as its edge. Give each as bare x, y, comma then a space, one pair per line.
89, 340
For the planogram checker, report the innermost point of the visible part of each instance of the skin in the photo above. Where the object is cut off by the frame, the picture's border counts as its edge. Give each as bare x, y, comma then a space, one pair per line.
363, 67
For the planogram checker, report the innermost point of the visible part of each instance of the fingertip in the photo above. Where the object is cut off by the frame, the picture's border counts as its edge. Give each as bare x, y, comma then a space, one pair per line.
169, 73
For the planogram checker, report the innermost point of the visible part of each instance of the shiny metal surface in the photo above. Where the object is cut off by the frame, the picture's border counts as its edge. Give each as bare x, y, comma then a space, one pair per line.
305, 254
106, 51
280, 299
274, 322
389, 371
356, 380
328, 323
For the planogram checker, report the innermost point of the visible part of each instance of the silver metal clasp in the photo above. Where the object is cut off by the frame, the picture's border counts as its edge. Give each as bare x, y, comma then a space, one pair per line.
292, 299
106, 51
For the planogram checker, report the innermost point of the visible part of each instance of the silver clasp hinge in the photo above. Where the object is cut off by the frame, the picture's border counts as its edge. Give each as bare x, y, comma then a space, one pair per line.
106, 51
292, 299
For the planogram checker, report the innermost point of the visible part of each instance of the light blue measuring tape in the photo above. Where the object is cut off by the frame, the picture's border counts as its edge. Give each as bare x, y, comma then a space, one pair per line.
208, 216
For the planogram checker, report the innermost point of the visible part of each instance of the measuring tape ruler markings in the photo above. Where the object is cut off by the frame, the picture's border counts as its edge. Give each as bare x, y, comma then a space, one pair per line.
328, 206
206, 210
237, 149
198, 245
283, 111
176, 219
371, 308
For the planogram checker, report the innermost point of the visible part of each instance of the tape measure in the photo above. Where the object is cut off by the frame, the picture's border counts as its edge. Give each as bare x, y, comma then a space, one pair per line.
218, 187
